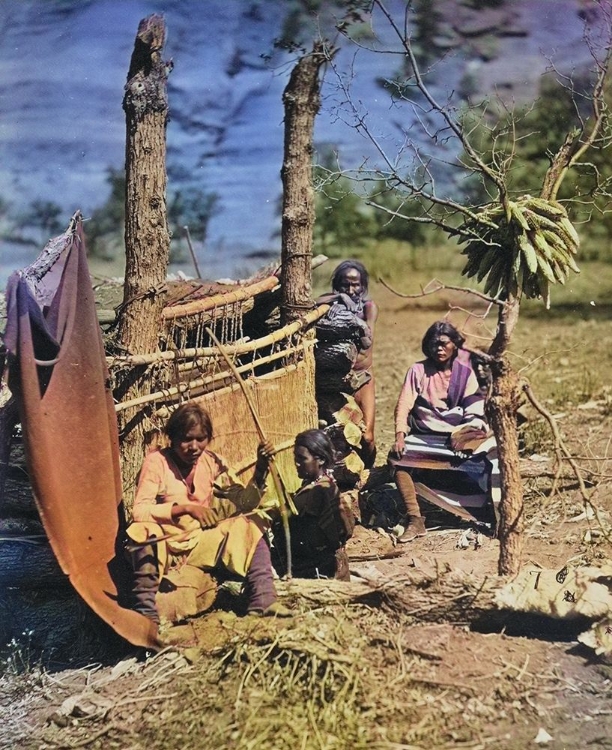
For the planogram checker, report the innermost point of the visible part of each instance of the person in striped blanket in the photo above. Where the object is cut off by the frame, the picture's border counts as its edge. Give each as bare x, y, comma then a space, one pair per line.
440, 421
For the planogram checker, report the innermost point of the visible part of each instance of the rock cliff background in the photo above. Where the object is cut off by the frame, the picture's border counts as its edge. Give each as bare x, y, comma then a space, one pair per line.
63, 65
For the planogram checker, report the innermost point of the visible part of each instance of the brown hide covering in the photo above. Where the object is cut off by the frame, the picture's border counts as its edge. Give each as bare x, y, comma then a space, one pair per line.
58, 374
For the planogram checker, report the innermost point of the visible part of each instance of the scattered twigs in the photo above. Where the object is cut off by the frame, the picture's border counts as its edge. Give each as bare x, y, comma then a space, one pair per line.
460, 686
373, 556
284, 499
172, 663
523, 669
562, 454
88, 740
560, 448
421, 653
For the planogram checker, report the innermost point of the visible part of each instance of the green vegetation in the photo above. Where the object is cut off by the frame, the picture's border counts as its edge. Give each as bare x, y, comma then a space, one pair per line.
529, 136
19, 656
44, 216
342, 218
106, 227
518, 143
370, 224
189, 206
306, 19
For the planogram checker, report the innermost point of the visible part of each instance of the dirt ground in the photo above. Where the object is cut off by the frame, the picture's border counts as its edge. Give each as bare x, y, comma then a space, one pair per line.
353, 674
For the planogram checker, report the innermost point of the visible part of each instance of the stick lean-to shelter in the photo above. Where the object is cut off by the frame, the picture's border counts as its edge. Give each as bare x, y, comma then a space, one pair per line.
75, 384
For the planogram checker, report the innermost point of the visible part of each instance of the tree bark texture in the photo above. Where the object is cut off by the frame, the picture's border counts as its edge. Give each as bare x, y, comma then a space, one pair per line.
449, 597
301, 102
502, 406
147, 240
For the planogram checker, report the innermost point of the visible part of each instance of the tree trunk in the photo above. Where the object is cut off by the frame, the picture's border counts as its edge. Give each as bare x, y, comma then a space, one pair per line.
501, 411
147, 240
502, 406
301, 101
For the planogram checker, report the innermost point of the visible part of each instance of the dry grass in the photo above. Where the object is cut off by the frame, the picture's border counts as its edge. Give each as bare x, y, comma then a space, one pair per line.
343, 677
351, 676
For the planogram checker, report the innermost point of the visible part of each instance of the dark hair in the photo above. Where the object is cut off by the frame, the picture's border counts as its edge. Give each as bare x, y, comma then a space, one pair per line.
348, 265
186, 417
437, 329
317, 442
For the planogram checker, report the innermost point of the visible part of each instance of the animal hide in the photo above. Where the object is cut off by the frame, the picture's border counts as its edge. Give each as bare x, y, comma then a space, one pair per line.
58, 375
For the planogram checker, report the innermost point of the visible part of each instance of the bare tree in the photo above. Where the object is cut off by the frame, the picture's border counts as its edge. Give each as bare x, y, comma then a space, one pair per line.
302, 102
517, 246
147, 240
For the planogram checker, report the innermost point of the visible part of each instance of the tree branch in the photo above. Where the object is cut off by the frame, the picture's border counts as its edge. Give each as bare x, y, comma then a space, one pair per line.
425, 292
562, 453
568, 155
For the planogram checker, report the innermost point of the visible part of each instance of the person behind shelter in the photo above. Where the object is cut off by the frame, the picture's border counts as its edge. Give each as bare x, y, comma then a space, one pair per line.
350, 289
185, 492
322, 524
440, 394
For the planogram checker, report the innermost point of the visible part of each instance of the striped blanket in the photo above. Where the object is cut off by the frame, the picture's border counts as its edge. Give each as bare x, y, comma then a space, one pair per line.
455, 482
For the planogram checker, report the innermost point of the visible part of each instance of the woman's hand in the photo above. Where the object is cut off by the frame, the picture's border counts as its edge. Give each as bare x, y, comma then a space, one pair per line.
398, 447
476, 423
265, 452
346, 300
206, 517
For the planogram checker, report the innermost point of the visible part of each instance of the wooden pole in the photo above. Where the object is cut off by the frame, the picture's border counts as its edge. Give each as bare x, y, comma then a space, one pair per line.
147, 241
200, 383
192, 251
235, 349
205, 304
301, 102
284, 499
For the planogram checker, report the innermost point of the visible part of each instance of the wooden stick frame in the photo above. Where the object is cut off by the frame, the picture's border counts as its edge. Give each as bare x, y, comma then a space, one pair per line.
285, 501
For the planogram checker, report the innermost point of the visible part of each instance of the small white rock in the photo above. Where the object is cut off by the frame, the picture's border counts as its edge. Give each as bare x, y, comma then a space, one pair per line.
542, 737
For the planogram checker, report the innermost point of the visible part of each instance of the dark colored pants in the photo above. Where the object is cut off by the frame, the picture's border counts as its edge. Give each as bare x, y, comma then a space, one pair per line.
259, 584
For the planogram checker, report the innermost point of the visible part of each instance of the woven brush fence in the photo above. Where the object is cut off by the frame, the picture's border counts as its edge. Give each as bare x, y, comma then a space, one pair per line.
286, 405
224, 310
277, 366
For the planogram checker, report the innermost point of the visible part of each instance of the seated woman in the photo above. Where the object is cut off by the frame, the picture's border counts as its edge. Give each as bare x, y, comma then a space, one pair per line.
439, 424
350, 295
186, 498
322, 524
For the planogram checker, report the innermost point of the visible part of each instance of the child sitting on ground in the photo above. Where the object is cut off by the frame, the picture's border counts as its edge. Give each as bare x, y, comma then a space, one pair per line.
323, 523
